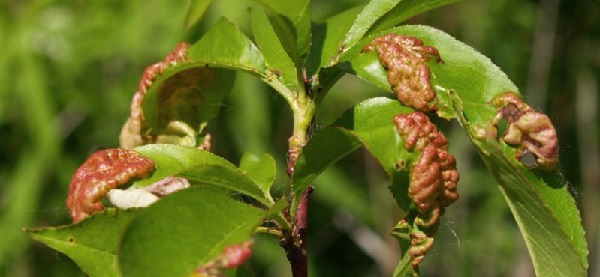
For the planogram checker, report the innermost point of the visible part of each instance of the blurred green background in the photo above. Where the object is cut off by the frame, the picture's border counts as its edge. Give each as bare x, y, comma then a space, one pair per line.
68, 70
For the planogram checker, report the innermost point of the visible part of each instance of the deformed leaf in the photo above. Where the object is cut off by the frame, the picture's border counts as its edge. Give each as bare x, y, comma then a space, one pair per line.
174, 102
185, 230
404, 58
466, 85
92, 243
102, 171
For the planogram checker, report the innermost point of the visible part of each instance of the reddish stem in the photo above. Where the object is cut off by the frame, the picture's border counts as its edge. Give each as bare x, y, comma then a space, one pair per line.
296, 250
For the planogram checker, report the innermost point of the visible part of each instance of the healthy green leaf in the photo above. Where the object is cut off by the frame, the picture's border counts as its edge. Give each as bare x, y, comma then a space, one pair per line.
367, 17
405, 10
199, 167
291, 21
183, 231
328, 37
92, 243
224, 45
196, 10
326, 147
327, 40
261, 170
294, 9
278, 62
465, 85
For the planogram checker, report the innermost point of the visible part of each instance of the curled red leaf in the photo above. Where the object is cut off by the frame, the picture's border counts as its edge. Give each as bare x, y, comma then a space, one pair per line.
405, 59
425, 180
420, 245
434, 175
101, 172
133, 132
531, 130
433, 178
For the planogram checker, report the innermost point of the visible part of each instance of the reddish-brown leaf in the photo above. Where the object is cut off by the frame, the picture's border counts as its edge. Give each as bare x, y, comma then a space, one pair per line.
101, 172
405, 59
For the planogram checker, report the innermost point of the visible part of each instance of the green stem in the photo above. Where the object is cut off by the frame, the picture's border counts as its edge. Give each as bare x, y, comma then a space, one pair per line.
303, 108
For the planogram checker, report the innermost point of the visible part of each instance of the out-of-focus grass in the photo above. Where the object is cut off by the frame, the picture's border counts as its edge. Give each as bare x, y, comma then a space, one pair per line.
69, 68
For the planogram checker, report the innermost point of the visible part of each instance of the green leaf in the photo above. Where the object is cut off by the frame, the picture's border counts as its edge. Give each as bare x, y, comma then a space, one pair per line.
261, 170
224, 45
545, 212
92, 243
405, 10
293, 9
278, 62
183, 231
199, 167
370, 123
196, 10
367, 17
326, 147
291, 21
327, 39
465, 85
401, 232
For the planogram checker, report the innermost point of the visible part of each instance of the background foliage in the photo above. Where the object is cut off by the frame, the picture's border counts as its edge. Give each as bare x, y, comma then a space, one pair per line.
69, 68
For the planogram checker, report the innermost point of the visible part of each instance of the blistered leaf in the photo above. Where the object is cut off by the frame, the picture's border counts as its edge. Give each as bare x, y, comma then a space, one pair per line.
466, 85
102, 171
345, 30
404, 59
92, 243
185, 230
529, 129
174, 101
407, 146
